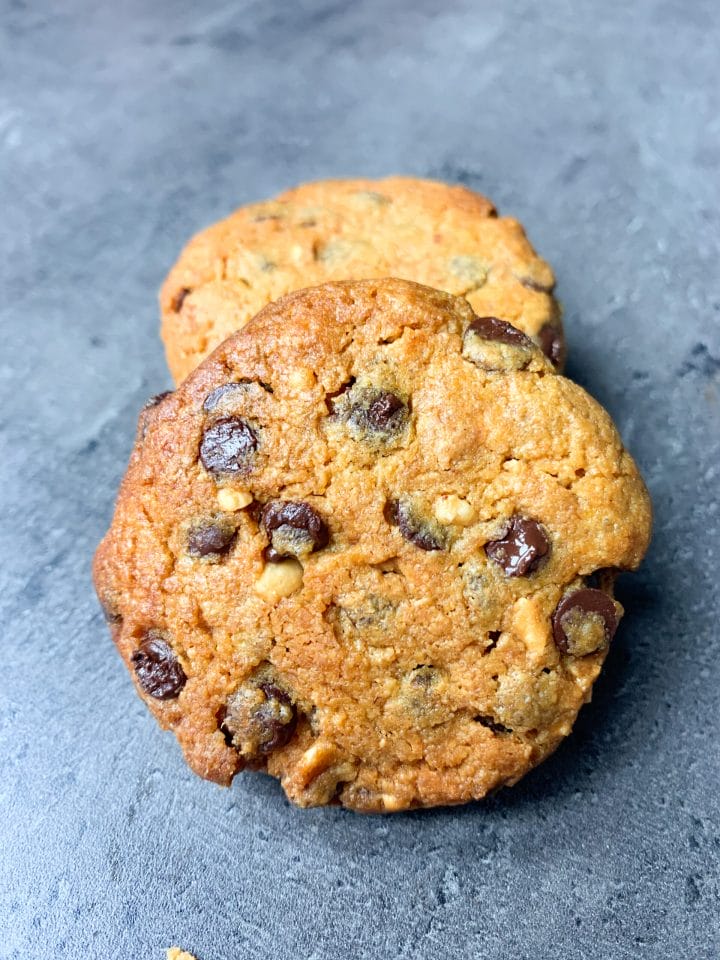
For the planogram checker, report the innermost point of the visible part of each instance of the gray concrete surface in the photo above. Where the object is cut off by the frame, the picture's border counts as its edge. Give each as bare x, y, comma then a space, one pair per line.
126, 125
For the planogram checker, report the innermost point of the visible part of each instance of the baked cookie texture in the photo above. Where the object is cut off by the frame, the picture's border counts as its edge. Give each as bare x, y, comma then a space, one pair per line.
368, 547
444, 236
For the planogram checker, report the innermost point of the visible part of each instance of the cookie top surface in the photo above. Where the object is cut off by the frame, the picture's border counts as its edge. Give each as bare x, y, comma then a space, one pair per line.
444, 236
368, 546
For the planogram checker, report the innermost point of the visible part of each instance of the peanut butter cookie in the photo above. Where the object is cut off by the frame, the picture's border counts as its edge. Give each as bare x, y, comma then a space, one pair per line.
368, 546
445, 236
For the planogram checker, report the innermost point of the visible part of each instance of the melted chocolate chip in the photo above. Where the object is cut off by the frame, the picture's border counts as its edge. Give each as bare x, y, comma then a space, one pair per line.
491, 328
551, 344
424, 534
211, 538
371, 414
179, 299
157, 669
520, 549
227, 446
384, 411
584, 621
258, 718
377, 413
491, 723
220, 393
294, 529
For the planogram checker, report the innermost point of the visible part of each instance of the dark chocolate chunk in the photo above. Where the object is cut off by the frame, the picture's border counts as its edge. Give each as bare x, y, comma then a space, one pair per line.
211, 538
157, 668
520, 549
227, 446
258, 718
426, 534
294, 529
584, 621
179, 299
491, 328
551, 344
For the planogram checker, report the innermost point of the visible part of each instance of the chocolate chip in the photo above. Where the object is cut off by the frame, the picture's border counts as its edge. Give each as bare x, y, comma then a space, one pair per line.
226, 390
227, 446
521, 547
491, 723
144, 417
551, 344
157, 399
383, 412
179, 299
294, 529
211, 538
371, 414
258, 718
496, 345
157, 668
500, 331
262, 217
531, 284
584, 621
425, 534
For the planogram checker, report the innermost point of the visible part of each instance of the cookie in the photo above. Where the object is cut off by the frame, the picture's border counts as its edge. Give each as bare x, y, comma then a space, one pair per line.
444, 236
369, 547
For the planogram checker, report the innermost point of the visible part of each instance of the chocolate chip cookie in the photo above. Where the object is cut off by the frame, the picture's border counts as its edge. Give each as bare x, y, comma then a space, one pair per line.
445, 236
368, 546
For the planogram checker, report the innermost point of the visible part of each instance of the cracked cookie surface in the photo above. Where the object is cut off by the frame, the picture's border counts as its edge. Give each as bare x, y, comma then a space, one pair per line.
441, 235
369, 547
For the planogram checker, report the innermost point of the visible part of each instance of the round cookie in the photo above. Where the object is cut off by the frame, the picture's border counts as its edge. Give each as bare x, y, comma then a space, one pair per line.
368, 547
447, 237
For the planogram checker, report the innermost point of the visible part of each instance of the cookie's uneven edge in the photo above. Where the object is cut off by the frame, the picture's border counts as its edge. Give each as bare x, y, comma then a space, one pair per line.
304, 325
443, 235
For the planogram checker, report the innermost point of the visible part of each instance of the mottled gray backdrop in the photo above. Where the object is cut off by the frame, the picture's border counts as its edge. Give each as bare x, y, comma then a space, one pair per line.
127, 124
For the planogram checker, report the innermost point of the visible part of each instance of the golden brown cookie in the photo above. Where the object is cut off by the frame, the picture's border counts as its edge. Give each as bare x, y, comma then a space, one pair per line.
369, 546
445, 236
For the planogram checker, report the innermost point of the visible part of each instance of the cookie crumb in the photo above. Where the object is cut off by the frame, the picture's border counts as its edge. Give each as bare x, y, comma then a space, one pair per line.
175, 953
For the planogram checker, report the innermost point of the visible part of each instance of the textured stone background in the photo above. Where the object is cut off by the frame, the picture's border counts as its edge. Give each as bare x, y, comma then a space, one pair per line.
126, 125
